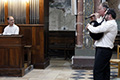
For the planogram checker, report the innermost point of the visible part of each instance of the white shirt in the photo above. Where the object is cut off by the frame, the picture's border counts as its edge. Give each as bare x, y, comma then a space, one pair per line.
109, 28
11, 30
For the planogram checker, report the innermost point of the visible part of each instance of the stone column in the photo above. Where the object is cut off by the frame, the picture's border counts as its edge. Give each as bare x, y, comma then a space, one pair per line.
80, 24
84, 57
96, 2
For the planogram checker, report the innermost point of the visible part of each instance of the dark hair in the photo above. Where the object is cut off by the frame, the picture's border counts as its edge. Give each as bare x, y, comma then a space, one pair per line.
7, 18
105, 5
112, 12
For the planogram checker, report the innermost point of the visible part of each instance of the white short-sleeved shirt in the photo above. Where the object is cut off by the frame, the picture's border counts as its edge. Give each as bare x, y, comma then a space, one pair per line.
11, 30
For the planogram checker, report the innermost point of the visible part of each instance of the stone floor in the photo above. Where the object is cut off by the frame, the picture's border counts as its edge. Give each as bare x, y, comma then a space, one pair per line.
59, 69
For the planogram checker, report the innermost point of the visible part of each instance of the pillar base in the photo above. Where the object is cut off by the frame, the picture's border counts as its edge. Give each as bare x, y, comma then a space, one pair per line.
82, 62
84, 58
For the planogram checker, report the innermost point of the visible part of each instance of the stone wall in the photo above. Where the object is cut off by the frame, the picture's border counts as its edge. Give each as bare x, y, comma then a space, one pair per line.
60, 17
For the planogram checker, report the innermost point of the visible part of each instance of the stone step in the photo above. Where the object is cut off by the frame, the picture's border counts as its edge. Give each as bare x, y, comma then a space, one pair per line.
83, 62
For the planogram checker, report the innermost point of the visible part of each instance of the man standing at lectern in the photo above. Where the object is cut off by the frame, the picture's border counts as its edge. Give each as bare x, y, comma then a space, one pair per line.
11, 28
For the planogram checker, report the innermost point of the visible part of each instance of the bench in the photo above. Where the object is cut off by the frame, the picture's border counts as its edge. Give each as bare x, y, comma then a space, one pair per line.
62, 41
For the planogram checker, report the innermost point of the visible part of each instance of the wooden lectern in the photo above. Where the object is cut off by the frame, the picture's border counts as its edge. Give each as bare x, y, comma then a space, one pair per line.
11, 55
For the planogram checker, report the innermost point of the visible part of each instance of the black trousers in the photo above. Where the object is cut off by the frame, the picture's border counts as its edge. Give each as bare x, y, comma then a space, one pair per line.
102, 65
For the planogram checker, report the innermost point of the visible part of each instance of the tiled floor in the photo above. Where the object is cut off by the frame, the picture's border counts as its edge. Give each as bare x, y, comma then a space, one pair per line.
59, 69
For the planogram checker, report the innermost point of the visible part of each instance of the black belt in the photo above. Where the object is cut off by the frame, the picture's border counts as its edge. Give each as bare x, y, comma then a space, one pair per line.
104, 48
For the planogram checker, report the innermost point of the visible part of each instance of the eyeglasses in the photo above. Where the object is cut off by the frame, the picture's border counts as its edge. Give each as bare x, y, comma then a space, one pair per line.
12, 20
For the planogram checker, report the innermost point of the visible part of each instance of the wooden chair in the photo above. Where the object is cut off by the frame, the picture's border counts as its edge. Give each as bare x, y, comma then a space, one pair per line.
116, 62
